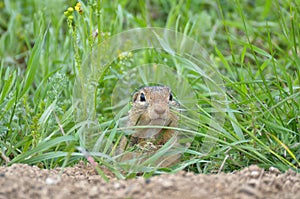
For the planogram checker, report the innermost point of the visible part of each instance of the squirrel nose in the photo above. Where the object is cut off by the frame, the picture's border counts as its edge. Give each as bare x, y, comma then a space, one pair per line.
159, 110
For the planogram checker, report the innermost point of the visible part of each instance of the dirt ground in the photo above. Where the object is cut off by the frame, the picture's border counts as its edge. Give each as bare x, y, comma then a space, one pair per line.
81, 181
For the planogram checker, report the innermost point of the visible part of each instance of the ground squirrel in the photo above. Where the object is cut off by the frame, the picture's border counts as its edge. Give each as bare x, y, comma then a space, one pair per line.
152, 106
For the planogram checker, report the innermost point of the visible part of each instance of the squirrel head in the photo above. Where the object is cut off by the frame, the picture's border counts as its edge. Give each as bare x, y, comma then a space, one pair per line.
153, 105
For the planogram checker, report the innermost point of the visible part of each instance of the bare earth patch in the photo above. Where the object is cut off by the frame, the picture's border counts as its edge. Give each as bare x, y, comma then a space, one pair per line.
81, 181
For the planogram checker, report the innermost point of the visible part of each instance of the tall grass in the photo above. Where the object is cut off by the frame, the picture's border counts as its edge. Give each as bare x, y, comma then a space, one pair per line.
255, 46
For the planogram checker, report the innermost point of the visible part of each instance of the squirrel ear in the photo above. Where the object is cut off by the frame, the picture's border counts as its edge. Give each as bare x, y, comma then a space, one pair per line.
135, 96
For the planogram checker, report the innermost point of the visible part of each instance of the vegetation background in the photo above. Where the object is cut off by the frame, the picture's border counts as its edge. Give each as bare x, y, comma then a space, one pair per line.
255, 45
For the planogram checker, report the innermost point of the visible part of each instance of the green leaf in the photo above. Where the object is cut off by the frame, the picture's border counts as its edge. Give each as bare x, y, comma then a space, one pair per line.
33, 64
41, 147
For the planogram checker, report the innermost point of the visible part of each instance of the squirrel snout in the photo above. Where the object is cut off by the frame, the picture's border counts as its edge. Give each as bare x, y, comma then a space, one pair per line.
160, 111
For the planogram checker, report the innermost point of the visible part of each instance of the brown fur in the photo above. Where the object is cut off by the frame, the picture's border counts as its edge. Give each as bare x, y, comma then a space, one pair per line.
152, 106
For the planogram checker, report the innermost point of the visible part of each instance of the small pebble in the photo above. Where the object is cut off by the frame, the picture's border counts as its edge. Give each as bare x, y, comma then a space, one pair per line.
52, 181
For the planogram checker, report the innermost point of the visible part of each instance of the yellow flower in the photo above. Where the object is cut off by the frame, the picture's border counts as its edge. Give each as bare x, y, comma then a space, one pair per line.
78, 7
78, 4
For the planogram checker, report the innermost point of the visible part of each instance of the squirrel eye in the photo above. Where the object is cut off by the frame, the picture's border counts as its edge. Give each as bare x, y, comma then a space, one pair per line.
170, 97
142, 97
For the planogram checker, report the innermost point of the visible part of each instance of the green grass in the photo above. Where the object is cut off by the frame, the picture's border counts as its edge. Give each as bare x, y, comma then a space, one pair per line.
254, 45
